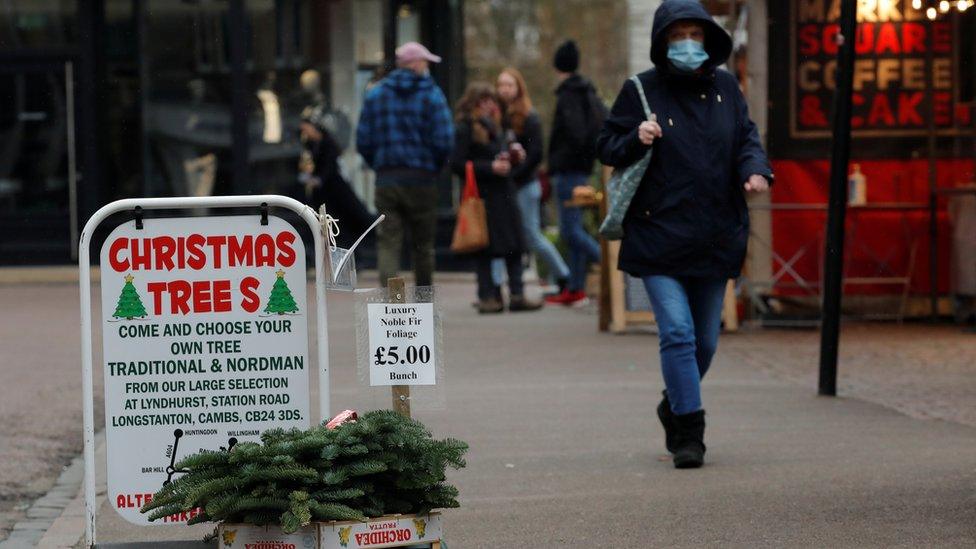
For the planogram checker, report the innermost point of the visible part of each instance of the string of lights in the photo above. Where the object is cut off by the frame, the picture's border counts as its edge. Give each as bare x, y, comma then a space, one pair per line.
935, 7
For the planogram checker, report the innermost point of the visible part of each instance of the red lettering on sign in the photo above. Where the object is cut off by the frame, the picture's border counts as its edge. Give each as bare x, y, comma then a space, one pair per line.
251, 301
221, 296
140, 259
881, 111
912, 38
216, 243
941, 37
198, 252
264, 252
201, 297
829, 35
943, 108
179, 296
164, 247
857, 120
181, 252
908, 104
114, 250
183, 516
888, 39
809, 40
194, 247
811, 113
132, 501
864, 41
241, 251
964, 115
286, 254
157, 289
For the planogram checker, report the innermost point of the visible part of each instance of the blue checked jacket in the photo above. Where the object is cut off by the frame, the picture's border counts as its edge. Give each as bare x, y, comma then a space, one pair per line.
405, 124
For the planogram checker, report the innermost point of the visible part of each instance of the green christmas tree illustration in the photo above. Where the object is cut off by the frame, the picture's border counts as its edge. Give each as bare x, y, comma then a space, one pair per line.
130, 305
281, 300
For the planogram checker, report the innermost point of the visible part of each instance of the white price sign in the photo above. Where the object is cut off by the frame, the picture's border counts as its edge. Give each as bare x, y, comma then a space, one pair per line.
401, 344
205, 333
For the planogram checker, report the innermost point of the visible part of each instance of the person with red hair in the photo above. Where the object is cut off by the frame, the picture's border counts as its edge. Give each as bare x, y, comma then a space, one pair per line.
525, 128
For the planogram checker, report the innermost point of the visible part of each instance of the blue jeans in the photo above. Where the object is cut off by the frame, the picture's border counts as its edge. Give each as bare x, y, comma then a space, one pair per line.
583, 250
689, 317
529, 200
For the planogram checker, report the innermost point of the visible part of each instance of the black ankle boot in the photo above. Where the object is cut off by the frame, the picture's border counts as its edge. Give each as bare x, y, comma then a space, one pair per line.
689, 440
666, 416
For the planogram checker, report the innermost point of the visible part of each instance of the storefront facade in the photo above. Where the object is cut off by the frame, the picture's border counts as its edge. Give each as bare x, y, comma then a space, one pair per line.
913, 130
107, 99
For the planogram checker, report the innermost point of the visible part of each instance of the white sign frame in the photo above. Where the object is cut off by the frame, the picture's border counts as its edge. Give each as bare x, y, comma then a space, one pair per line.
180, 203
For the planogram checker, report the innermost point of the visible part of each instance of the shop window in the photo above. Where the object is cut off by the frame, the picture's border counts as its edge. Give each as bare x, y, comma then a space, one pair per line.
37, 24
368, 16
407, 24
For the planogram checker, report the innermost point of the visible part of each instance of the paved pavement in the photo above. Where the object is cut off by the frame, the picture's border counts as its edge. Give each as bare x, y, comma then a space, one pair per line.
565, 447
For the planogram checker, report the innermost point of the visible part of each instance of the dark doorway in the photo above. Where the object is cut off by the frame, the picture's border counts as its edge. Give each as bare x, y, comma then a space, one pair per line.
38, 201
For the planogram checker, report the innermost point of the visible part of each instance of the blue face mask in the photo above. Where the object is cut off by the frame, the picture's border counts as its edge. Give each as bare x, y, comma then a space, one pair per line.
687, 55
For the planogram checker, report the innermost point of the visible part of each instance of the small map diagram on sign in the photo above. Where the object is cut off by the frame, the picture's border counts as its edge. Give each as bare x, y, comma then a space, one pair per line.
171, 469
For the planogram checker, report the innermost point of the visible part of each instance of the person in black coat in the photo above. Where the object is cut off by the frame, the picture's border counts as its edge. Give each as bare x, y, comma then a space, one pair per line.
324, 184
572, 151
686, 229
480, 139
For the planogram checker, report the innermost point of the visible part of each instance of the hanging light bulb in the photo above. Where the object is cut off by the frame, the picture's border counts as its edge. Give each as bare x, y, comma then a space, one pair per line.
917, 4
944, 6
962, 5
931, 13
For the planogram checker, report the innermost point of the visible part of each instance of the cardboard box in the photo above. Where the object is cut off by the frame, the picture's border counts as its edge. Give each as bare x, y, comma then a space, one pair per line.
247, 536
391, 531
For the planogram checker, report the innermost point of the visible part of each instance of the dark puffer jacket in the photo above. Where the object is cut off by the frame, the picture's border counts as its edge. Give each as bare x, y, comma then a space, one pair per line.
689, 216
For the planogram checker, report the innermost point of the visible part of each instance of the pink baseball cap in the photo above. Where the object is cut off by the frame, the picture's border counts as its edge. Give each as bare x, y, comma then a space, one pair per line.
412, 51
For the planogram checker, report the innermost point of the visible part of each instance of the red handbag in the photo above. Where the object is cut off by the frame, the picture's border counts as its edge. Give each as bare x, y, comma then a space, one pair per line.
471, 229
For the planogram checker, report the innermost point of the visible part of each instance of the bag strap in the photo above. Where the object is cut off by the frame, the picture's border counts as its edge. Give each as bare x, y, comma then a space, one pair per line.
470, 182
643, 98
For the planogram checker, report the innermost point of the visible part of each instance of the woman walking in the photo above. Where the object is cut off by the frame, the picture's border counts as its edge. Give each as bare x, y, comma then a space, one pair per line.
686, 229
526, 129
479, 139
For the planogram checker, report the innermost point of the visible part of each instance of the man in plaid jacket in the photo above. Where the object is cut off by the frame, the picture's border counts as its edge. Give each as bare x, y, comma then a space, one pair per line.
406, 134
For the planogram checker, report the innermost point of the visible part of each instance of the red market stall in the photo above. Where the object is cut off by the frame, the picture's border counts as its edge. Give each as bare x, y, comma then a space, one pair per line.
912, 137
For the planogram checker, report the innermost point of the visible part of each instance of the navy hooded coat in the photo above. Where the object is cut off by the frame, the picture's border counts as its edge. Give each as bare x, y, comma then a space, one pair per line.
689, 216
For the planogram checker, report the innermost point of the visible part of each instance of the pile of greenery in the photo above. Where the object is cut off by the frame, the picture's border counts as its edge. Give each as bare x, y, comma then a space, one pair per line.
381, 464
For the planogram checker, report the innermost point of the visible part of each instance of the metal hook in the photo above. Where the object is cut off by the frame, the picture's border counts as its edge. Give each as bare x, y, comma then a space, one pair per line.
138, 215
264, 213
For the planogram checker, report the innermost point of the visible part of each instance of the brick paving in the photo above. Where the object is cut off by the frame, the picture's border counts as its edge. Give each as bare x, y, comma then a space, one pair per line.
924, 371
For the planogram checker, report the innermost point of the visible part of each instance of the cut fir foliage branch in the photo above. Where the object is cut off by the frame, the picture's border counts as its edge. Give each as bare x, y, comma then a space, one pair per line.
382, 464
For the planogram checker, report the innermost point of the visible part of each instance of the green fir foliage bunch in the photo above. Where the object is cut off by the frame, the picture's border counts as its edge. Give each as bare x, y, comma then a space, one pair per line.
381, 464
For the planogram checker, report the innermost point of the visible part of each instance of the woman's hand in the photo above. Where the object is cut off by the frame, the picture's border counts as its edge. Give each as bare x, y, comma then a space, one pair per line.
756, 184
648, 131
501, 167
517, 153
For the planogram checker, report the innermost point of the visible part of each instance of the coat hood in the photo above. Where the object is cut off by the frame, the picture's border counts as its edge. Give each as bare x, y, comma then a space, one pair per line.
718, 43
407, 82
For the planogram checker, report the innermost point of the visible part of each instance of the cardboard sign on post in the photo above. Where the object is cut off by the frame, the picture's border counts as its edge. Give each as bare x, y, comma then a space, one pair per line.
205, 333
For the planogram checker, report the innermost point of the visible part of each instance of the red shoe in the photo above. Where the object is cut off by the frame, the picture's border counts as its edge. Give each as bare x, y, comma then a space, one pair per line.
577, 299
562, 298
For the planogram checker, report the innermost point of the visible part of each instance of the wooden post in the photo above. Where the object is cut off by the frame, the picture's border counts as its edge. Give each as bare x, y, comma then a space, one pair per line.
730, 309
606, 268
401, 393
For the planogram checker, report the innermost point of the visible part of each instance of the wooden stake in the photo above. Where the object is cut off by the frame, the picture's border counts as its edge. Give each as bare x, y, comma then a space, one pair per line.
401, 393
730, 309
